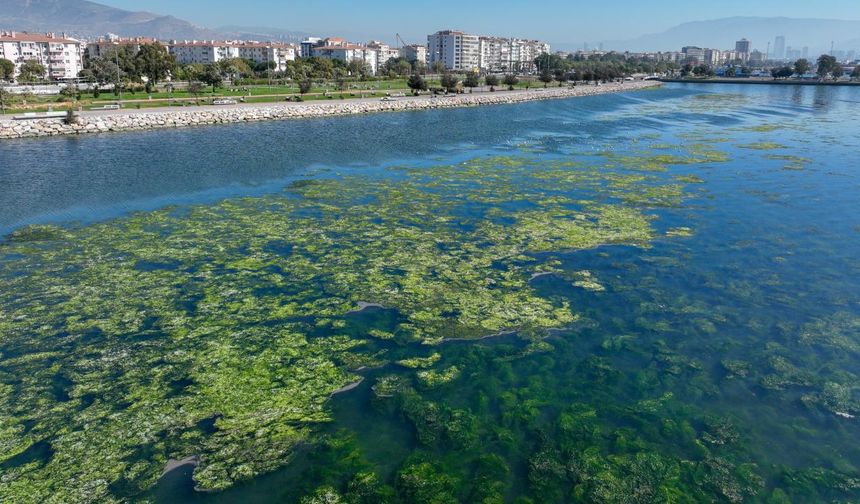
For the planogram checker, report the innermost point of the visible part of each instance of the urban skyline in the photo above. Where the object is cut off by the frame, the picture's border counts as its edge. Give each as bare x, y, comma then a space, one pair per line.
557, 21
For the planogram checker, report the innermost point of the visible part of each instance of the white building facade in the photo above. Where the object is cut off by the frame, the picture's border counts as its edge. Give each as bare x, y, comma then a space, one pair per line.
414, 53
348, 53
384, 52
462, 52
206, 52
61, 56
106, 45
456, 50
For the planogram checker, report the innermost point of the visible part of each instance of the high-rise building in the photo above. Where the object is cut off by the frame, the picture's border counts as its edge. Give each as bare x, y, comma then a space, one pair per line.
804, 53
693, 55
454, 49
61, 56
779, 48
742, 47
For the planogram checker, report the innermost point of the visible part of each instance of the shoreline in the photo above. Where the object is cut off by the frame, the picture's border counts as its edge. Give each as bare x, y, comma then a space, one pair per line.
145, 120
763, 82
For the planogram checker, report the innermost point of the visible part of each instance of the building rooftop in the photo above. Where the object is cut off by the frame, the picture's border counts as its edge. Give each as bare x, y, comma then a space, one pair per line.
13, 36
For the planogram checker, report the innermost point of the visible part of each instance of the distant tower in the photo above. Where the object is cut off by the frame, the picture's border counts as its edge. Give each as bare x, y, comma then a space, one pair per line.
779, 48
742, 47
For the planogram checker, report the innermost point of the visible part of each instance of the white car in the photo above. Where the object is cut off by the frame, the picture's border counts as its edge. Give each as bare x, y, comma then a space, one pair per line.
386, 98
224, 101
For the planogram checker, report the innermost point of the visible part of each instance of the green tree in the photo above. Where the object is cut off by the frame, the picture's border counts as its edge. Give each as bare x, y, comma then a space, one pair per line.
195, 89
357, 68
731, 72
826, 65
856, 73
472, 80
511, 80
7, 69
31, 71
305, 86
212, 76
802, 67
5, 100
69, 93
438, 67
155, 63
236, 68
416, 83
545, 77
449, 82
492, 81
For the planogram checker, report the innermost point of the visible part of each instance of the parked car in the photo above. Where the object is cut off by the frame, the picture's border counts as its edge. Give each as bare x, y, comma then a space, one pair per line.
224, 101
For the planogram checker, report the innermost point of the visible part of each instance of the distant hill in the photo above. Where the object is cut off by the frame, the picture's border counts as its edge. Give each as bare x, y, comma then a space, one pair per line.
817, 34
89, 19
261, 33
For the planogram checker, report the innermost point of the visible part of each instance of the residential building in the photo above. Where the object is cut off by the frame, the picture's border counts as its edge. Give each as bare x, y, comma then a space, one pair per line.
106, 45
756, 57
211, 51
779, 48
339, 49
456, 50
500, 54
61, 56
693, 55
743, 47
307, 46
414, 52
384, 52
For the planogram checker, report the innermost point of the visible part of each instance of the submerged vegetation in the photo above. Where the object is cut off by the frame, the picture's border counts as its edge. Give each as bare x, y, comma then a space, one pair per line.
221, 331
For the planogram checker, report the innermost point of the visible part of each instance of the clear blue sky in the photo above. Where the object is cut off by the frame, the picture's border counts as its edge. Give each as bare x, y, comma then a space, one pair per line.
558, 21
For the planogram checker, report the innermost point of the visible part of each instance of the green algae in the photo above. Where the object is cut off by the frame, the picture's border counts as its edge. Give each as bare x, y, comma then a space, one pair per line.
215, 331
682, 232
762, 146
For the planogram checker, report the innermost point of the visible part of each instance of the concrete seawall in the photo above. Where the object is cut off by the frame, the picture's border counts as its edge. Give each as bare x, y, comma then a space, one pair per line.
89, 123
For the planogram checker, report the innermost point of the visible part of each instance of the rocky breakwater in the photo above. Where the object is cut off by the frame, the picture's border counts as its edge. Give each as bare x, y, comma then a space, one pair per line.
146, 120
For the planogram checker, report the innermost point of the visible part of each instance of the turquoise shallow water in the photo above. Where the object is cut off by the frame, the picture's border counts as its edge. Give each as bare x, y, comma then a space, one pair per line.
721, 362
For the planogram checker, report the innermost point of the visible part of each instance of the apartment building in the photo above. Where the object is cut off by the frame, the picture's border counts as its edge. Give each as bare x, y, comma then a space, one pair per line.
346, 52
211, 51
456, 50
459, 51
384, 52
61, 56
106, 45
414, 53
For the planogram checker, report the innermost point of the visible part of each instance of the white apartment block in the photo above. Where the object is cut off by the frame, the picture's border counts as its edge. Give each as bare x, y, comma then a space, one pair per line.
500, 54
459, 51
414, 52
205, 52
62, 57
384, 52
339, 49
456, 50
106, 45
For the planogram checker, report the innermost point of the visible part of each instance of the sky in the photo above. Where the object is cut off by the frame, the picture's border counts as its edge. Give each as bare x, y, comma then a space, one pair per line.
558, 21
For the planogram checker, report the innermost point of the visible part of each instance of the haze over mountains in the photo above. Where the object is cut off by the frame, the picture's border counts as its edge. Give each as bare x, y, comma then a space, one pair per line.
88, 19
817, 34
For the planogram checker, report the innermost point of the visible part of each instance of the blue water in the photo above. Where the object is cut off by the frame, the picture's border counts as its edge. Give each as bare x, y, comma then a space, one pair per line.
775, 247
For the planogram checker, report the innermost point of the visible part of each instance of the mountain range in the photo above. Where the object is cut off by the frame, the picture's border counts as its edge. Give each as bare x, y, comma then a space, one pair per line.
817, 34
87, 19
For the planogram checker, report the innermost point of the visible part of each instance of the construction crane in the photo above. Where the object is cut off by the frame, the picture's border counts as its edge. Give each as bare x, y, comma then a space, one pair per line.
400, 42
